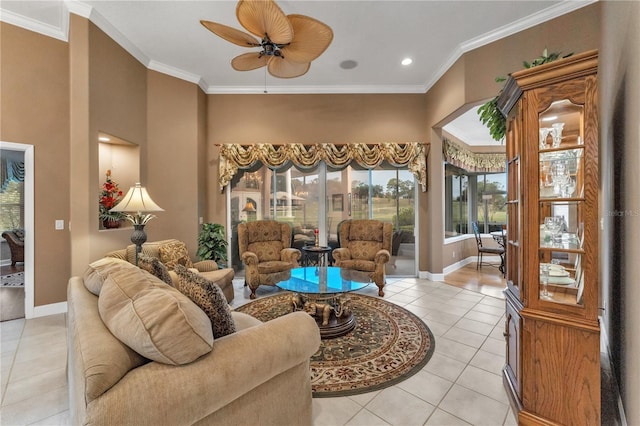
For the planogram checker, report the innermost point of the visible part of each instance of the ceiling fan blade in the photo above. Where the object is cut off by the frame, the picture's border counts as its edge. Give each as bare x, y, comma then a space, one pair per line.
282, 68
264, 17
231, 34
310, 39
249, 61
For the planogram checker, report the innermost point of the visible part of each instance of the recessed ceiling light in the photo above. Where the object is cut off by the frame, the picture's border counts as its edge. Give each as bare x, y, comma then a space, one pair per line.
104, 139
407, 61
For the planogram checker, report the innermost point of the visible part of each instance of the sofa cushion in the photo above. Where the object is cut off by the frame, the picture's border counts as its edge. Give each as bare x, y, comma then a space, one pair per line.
175, 253
364, 249
154, 267
209, 297
153, 318
97, 272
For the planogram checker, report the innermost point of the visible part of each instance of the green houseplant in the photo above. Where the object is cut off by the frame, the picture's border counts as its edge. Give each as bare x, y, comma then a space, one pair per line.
489, 114
212, 244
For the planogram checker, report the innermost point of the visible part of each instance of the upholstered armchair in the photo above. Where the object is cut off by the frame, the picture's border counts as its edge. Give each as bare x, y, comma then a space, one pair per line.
15, 240
265, 249
365, 245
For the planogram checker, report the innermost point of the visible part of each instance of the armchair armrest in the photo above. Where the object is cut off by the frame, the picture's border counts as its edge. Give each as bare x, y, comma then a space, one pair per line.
341, 253
206, 266
249, 258
382, 256
290, 255
191, 392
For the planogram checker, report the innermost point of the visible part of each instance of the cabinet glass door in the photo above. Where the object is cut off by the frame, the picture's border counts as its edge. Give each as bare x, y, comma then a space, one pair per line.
561, 203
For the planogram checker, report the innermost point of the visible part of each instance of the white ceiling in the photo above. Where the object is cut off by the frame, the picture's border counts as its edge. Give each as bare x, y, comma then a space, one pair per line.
166, 36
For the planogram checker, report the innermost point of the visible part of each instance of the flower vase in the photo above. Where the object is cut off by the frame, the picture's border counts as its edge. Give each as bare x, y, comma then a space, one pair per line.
111, 224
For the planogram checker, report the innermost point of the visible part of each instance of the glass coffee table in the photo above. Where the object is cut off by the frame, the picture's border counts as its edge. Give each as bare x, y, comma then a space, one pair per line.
321, 291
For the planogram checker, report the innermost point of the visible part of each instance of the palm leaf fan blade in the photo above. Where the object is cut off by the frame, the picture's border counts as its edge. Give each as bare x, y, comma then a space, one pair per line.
282, 68
264, 17
249, 61
231, 34
310, 39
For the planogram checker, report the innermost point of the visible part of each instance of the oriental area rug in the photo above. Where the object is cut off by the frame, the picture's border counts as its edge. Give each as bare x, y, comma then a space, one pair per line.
388, 345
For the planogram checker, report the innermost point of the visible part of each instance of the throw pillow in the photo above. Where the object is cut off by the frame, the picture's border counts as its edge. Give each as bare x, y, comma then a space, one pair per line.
97, 272
175, 253
154, 267
154, 319
209, 297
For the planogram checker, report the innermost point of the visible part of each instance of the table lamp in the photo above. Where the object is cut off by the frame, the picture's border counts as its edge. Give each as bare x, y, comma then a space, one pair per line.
138, 201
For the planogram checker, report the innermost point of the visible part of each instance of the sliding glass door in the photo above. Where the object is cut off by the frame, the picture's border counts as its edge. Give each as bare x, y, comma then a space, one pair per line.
322, 198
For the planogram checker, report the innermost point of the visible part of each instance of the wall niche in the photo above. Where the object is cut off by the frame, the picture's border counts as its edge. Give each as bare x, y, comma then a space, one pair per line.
120, 159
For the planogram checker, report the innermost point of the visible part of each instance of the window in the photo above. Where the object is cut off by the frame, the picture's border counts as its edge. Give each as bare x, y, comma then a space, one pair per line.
473, 197
12, 206
321, 198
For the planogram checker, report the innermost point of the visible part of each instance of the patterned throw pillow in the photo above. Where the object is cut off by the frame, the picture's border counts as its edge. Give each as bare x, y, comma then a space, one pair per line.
154, 267
209, 297
175, 253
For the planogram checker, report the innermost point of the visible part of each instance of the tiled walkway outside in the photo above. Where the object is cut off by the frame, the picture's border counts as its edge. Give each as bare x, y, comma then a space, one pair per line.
460, 385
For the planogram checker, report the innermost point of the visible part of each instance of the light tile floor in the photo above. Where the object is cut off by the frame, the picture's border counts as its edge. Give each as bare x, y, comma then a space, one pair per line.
460, 385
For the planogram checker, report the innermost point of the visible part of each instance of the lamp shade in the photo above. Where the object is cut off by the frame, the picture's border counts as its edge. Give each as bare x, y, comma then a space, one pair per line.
137, 200
249, 207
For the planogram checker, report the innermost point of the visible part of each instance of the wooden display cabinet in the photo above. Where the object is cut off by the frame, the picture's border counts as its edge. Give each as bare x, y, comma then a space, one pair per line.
552, 371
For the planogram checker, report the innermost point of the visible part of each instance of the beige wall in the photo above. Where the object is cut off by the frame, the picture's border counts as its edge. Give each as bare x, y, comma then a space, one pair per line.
173, 162
619, 73
474, 76
281, 119
35, 110
108, 96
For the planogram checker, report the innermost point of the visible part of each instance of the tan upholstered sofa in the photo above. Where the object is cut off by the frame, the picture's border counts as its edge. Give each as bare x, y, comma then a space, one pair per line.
265, 249
207, 268
258, 375
365, 246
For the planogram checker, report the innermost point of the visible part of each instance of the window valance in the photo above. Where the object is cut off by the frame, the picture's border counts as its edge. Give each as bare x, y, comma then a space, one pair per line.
234, 157
472, 161
10, 171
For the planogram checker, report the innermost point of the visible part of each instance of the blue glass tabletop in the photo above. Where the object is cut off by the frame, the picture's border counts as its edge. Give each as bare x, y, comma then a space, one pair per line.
324, 280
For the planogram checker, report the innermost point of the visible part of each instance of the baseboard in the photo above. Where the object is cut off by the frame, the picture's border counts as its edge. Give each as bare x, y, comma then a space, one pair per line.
426, 275
52, 309
611, 387
460, 264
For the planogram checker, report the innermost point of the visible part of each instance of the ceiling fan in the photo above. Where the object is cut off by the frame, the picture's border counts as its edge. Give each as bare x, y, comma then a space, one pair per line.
288, 42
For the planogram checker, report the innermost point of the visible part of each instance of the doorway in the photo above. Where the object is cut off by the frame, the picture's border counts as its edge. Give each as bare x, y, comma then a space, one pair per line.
26, 152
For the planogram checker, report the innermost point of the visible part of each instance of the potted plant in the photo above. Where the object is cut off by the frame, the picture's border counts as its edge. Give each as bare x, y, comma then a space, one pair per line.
212, 244
110, 196
489, 114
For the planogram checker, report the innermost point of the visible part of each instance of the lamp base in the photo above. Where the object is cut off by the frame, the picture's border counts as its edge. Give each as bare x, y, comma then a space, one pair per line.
138, 238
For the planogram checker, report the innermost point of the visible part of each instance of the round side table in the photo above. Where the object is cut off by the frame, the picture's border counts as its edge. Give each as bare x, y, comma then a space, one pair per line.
317, 254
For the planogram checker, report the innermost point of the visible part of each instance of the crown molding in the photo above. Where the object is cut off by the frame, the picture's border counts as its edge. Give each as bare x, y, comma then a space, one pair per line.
538, 18
106, 26
174, 72
88, 12
78, 8
37, 26
367, 89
